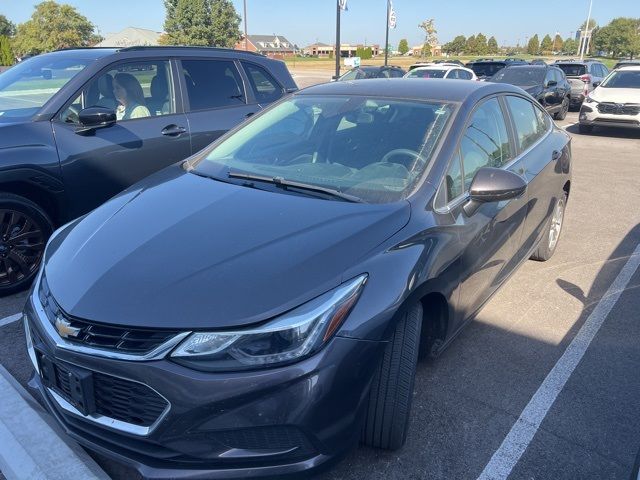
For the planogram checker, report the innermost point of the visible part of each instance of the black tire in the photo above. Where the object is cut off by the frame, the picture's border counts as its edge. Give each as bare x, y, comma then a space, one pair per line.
389, 405
585, 128
562, 113
547, 246
24, 231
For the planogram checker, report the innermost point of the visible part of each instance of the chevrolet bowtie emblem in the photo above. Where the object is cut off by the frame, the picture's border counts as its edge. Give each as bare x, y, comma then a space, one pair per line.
65, 330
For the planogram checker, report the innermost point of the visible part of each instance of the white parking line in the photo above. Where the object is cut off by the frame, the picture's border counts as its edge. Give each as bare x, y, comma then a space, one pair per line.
523, 431
10, 319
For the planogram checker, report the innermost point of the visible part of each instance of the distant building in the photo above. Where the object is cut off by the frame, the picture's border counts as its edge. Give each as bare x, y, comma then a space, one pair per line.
436, 51
346, 50
275, 46
131, 37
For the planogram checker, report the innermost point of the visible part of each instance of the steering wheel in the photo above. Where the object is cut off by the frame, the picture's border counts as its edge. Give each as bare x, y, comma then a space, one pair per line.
406, 152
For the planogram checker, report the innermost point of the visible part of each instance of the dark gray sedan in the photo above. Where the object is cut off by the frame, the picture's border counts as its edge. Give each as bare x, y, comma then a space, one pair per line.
260, 309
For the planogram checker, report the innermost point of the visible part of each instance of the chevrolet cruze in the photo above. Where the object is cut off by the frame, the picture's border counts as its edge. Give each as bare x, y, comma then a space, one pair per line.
260, 308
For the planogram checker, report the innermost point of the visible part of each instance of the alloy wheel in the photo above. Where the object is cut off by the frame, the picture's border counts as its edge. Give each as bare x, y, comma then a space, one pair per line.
22, 243
556, 224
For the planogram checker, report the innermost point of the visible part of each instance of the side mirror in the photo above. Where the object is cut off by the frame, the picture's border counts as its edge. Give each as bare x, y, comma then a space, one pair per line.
595, 84
493, 185
552, 83
92, 118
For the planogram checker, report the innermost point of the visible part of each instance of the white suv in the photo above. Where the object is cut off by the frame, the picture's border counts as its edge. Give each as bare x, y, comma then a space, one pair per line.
442, 70
614, 103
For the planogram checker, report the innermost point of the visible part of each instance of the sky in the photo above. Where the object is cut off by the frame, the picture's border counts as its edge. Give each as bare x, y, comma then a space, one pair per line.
306, 21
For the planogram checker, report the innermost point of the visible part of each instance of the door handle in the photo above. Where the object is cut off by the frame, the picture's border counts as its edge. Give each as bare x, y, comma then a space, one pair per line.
555, 155
173, 130
250, 114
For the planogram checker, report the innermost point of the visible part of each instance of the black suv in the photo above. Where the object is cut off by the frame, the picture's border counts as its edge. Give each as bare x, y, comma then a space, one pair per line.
78, 126
485, 69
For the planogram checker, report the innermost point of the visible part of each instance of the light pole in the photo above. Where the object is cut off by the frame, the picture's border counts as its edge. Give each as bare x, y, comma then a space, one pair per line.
585, 44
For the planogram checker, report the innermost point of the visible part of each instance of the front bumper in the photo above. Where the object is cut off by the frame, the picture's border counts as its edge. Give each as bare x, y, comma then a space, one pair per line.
233, 425
589, 115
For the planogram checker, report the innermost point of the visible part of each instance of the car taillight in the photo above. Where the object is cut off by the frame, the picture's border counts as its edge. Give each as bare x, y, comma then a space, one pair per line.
586, 78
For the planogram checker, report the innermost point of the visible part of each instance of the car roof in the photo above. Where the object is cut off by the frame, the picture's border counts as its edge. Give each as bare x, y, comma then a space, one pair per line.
626, 68
163, 49
401, 88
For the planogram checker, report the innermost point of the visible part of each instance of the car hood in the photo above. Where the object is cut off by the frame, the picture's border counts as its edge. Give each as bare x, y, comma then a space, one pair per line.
183, 251
617, 95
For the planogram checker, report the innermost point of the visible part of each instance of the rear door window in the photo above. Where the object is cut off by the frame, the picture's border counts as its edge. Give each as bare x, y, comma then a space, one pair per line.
464, 75
572, 70
264, 86
212, 84
530, 123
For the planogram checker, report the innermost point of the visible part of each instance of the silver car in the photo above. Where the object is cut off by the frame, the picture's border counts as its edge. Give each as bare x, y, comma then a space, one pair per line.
583, 78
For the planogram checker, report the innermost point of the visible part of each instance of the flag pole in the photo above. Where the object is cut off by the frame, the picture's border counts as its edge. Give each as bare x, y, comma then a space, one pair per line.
337, 39
246, 40
386, 41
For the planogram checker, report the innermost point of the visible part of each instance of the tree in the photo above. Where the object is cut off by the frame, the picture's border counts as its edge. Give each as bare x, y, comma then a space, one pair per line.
558, 44
202, 22
6, 57
570, 45
492, 46
547, 44
620, 37
426, 50
533, 47
456, 46
403, 46
430, 35
7, 28
52, 27
470, 47
481, 44
365, 53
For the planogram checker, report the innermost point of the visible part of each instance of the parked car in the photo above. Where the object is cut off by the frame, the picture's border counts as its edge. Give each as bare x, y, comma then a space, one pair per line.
366, 72
582, 76
537, 61
627, 63
614, 103
487, 69
67, 144
442, 70
259, 302
547, 84
444, 60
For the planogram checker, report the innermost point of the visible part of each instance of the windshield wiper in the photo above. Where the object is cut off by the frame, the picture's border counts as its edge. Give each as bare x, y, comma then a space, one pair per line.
287, 184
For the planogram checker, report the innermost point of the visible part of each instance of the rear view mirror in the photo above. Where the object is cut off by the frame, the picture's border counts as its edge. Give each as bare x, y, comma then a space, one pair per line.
493, 185
95, 117
552, 83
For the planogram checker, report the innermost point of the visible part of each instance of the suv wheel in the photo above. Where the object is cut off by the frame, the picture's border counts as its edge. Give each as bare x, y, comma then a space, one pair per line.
24, 230
389, 405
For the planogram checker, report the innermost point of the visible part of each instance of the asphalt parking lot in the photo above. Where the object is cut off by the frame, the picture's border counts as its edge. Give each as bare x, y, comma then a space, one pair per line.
468, 419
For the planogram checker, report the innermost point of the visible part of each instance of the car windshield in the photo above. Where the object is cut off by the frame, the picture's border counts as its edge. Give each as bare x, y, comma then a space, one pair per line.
520, 76
370, 148
572, 70
427, 73
488, 69
26, 87
623, 79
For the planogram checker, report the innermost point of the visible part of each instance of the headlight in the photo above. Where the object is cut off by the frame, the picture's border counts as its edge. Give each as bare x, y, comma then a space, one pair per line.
294, 335
589, 100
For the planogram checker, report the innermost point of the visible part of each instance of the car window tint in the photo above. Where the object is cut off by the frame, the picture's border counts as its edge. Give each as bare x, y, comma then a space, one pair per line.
558, 75
572, 70
485, 142
350, 75
549, 76
133, 89
384, 73
605, 70
529, 124
212, 84
453, 185
453, 74
264, 85
464, 75
395, 73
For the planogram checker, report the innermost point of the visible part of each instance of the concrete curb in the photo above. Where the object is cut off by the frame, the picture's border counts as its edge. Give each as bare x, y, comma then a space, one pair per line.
32, 446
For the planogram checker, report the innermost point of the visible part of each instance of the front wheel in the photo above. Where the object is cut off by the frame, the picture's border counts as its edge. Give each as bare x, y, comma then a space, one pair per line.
548, 244
389, 405
24, 230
